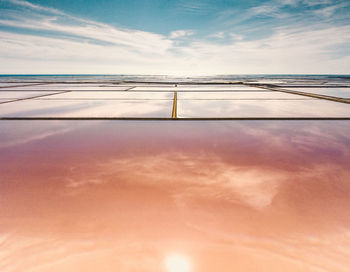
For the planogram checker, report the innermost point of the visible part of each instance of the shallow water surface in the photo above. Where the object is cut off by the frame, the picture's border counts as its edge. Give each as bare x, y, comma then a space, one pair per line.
174, 196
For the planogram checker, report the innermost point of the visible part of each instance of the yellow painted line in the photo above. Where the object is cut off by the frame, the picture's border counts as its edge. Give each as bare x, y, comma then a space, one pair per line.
319, 96
174, 113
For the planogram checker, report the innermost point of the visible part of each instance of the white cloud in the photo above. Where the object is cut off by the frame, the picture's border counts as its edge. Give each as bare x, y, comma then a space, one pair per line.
219, 35
307, 51
223, 35
270, 9
316, 2
237, 37
330, 10
292, 3
35, 7
264, 9
136, 40
91, 47
193, 7
180, 34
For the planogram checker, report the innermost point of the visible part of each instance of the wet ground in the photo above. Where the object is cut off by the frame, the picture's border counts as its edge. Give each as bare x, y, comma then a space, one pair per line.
90, 182
180, 101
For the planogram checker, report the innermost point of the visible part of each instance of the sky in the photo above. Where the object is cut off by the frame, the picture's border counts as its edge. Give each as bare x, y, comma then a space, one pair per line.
183, 37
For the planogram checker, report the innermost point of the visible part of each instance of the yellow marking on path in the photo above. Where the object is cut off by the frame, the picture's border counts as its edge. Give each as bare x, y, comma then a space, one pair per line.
319, 96
174, 113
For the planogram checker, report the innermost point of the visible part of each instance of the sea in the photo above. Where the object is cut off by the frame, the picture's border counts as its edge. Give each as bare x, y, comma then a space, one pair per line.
259, 78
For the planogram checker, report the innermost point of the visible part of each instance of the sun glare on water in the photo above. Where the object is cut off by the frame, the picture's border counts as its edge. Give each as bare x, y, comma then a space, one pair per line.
177, 263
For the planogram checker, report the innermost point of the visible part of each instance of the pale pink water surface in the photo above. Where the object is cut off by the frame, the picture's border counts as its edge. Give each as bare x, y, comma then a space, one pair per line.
174, 196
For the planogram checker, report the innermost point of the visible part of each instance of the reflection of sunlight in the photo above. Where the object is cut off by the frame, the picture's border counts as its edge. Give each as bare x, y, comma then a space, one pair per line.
177, 263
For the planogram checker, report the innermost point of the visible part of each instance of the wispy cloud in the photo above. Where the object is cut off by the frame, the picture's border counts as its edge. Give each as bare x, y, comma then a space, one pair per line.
264, 9
34, 6
316, 2
180, 34
194, 7
137, 40
292, 3
78, 45
237, 37
218, 35
330, 10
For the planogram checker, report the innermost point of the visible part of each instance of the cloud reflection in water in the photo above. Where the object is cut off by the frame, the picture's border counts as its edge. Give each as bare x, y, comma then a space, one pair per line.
242, 196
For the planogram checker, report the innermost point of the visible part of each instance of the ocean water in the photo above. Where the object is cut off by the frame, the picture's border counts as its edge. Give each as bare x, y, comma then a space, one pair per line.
167, 78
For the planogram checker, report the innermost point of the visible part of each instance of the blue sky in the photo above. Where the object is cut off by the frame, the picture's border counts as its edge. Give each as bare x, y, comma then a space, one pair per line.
175, 37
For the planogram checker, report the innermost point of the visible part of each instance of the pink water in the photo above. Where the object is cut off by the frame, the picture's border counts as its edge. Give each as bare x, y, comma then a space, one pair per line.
175, 196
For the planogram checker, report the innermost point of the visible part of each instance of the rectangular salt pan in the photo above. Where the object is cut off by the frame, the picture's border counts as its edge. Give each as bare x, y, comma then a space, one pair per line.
88, 108
260, 108
335, 92
20, 95
76, 87
237, 95
200, 88
111, 95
